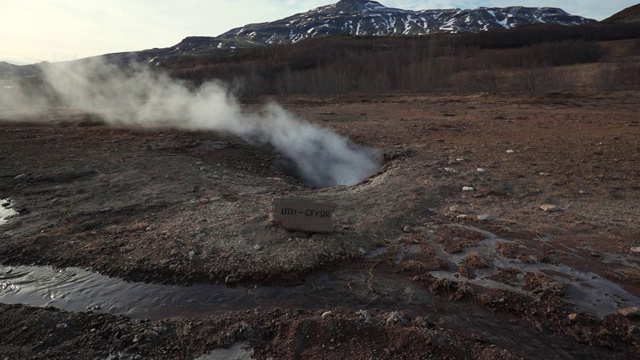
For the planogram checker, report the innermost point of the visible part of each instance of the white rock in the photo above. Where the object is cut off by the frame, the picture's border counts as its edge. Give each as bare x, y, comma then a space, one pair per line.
486, 217
257, 247
451, 170
326, 314
630, 312
468, 188
482, 170
510, 151
366, 314
396, 318
635, 250
549, 208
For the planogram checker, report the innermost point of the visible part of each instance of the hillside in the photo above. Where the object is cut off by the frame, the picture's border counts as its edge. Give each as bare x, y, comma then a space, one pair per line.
628, 15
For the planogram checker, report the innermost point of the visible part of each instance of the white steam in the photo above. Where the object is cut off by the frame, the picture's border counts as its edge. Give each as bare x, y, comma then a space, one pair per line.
140, 97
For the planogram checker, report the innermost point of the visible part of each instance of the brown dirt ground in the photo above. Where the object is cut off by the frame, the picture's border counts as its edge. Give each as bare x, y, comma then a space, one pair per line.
188, 207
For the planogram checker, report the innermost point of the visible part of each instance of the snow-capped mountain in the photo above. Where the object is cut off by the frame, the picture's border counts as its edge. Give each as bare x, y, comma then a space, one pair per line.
370, 18
360, 18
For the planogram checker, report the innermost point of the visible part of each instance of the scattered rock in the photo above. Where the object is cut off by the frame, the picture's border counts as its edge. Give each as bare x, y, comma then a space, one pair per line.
231, 279
257, 247
61, 326
396, 318
150, 335
94, 307
481, 170
510, 151
191, 254
632, 312
486, 217
451, 170
362, 251
159, 329
635, 250
573, 317
327, 314
117, 344
467, 188
408, 229
366, 314
550, 208
20, 177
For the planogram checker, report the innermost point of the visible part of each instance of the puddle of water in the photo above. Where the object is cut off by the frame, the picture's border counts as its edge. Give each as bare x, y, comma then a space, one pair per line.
587, 291
351, 288
75, 289
6, 211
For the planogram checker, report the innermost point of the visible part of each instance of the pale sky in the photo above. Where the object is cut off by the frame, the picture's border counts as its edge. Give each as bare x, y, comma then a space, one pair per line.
61, 30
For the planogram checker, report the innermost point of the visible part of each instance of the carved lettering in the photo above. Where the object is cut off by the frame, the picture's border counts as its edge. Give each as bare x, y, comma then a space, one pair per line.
303, 215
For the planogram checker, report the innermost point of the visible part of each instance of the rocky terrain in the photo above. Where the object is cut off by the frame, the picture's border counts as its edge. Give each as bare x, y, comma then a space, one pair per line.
498, 227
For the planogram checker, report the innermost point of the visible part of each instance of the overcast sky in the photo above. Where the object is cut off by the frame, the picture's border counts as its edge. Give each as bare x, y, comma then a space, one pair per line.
60, 30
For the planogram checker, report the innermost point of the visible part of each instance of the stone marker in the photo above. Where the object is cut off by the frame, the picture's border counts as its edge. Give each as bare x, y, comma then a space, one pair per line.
303, 215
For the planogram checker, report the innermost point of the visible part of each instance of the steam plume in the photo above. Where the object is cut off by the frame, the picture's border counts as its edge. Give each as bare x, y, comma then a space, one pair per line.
137, 96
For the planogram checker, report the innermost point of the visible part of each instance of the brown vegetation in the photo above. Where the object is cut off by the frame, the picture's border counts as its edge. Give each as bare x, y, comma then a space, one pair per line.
532, 60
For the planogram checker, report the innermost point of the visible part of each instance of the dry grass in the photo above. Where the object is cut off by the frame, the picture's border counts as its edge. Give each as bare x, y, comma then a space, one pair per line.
507, 249
628, 275
474, 261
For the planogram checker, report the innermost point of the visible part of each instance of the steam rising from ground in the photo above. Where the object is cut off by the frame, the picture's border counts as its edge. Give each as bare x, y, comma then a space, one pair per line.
137, 96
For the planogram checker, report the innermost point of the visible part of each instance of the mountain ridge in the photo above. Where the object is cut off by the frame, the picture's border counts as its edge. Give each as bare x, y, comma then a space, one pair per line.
351, 18
356, 18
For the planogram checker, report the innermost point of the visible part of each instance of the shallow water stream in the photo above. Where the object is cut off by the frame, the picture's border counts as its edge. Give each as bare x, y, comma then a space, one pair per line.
365, 288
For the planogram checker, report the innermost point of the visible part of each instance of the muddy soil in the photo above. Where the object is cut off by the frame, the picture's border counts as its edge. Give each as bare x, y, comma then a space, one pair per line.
523, 212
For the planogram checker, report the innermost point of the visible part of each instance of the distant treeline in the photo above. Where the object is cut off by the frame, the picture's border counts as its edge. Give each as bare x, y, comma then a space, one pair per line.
525, 59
